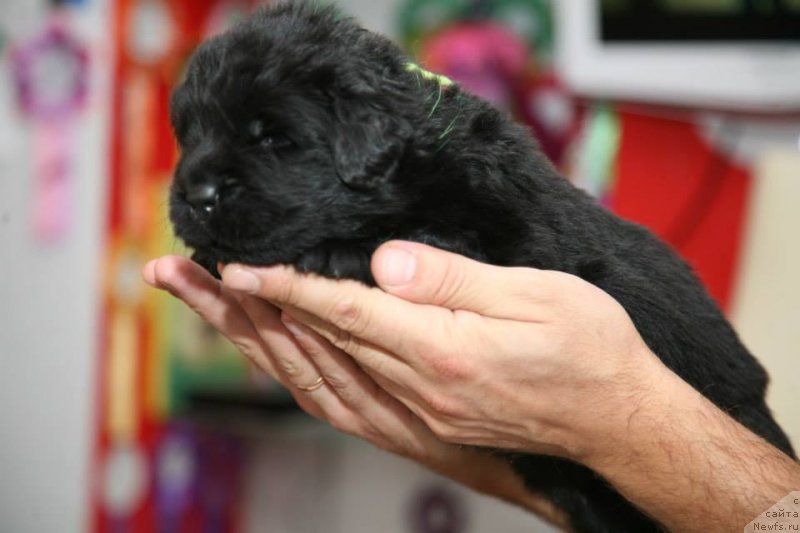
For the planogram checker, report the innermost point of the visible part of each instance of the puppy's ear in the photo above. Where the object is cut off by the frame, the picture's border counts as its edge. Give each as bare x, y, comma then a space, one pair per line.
368, 147
370, 135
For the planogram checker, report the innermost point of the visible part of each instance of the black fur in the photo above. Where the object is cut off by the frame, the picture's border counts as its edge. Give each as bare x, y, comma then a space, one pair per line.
320, 144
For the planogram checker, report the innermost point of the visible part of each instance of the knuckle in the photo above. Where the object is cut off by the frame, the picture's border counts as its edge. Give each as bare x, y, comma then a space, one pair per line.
349, 315
369, 431
449, 368
307, 346
288, 368
443, 431
430, 353
343, 340
440, 406
244, 347
337, 382
452, 283
286, 290
447, 364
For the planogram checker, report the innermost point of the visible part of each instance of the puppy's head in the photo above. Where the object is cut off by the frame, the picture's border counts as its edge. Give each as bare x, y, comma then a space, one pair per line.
290, 129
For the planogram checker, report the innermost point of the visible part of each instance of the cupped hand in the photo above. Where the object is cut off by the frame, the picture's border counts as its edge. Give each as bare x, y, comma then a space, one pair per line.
511, 358
347, 398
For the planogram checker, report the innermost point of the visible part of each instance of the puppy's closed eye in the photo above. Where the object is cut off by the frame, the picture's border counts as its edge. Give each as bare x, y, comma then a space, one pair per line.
258, 132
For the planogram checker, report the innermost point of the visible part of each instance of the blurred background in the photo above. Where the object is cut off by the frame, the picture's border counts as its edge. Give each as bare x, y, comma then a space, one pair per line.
121, 412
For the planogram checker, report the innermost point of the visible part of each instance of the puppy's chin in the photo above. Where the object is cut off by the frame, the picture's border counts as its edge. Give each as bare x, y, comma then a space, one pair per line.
211, 245
206, 261
263, 253
209, 258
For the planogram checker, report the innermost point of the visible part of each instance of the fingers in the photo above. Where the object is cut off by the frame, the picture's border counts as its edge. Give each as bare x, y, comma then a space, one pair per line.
376, 361
252, 325
347, 398
422, 274
296, 371
365, 313
340, 372
377, 416
205, 296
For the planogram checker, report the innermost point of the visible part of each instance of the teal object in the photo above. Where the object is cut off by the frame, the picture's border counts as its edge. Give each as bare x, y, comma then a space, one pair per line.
531, 19
594, 166
419, 18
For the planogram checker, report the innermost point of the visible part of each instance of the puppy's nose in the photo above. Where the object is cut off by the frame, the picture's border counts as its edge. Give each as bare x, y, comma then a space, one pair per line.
203, 197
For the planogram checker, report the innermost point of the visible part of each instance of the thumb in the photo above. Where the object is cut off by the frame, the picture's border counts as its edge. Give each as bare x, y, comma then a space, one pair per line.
423, 274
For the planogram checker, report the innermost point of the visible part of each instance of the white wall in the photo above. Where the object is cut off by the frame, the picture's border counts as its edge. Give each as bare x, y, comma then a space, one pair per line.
48, 307
766, 310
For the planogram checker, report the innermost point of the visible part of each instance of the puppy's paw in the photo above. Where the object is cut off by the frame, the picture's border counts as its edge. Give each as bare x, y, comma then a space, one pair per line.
338, 261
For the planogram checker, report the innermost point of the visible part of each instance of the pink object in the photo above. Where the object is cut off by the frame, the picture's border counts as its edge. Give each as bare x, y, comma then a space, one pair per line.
551, 111
51, 73
51, 77
53, 160
483, 57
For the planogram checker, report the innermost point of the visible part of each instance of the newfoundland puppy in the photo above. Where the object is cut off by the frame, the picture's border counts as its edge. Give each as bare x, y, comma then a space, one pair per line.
309, 141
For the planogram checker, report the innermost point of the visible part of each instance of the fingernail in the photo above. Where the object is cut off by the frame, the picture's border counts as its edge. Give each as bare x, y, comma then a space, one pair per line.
397, 267
293, 327
241, 279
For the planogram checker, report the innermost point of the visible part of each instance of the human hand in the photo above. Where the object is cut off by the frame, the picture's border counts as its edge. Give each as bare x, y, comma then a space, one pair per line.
349, 399
542, 362
511, 358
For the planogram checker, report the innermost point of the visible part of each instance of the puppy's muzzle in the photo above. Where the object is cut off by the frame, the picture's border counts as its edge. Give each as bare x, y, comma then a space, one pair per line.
203, 197
206, 191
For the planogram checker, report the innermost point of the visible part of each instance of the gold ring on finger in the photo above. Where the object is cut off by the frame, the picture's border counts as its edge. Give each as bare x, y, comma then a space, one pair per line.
314, 386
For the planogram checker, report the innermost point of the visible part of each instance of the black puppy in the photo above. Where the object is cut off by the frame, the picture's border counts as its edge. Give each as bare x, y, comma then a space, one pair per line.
309, 141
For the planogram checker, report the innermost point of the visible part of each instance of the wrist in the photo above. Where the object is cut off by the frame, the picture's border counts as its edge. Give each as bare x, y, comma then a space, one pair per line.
688, 464
625, 411
652, 395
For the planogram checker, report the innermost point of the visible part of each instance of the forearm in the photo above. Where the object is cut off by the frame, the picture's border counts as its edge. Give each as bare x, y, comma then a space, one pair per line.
692, 467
